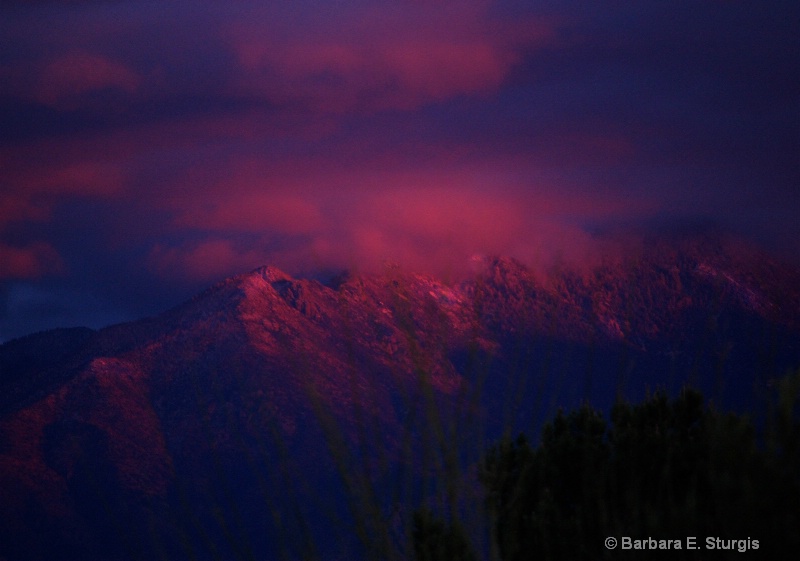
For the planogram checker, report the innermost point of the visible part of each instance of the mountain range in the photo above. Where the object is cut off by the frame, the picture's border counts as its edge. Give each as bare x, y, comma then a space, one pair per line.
300, 418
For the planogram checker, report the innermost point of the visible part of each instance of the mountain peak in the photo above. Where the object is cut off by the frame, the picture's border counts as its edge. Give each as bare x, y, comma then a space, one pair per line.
498, 268
265, 366
270, 274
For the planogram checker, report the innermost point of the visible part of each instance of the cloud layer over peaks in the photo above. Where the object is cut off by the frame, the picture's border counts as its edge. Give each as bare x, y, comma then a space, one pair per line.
148, 149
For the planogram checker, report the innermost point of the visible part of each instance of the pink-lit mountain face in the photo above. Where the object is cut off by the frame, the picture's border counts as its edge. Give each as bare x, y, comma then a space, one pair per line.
275, 417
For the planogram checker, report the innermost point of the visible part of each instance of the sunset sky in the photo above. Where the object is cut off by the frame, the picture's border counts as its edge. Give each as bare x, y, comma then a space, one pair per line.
149, 149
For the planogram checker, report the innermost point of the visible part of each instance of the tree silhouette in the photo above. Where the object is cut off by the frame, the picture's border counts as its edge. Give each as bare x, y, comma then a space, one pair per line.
665, 469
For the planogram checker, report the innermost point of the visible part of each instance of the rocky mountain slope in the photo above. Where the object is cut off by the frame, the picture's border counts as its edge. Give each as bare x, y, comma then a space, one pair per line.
275, 417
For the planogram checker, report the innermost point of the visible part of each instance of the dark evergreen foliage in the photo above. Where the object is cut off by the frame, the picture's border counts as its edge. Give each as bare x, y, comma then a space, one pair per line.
664, 469
436, 540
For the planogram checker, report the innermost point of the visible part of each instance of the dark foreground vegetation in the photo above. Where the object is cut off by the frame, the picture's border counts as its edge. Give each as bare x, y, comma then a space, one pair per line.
665, 469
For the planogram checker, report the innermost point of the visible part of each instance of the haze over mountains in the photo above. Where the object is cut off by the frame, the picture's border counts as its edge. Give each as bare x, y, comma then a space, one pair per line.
273, 416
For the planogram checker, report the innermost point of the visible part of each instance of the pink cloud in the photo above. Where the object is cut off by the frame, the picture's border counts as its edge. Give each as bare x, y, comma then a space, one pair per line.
35, 190
82, 178
402, 74
429, 216
438, 230
426, 229
254, 212
28, 262
250, 196
442, 213
383, 59
429, 207
439, 69
208, 260
63, 81
15, 207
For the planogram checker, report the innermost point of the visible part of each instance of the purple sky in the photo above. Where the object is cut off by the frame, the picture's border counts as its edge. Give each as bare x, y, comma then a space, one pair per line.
148, 149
